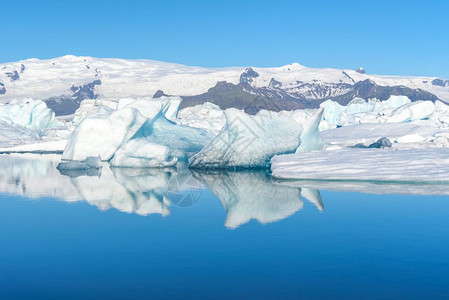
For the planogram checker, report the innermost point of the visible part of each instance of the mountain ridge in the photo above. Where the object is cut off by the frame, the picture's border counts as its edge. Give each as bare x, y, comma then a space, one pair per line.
65, 81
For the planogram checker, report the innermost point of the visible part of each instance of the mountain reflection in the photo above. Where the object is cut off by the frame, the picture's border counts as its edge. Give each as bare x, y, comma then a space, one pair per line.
245, 196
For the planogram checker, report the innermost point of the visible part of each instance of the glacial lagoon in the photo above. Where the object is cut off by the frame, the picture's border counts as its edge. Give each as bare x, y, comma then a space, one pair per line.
145, 233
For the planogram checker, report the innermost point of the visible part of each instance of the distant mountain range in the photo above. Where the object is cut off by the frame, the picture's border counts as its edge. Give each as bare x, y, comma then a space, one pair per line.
65, 81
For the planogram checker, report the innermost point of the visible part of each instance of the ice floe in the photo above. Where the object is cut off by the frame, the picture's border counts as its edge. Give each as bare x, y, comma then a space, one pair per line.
421, 165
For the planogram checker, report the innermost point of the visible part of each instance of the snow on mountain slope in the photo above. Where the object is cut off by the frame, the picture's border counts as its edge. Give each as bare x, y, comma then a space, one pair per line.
65, 81
119, 77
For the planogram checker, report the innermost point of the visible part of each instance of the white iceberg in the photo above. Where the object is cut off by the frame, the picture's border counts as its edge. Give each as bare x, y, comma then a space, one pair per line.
27, 122
29, 113
207, 116
12, 134
90, 106
396, 109
150, 107
413, 111
249, 141
182, 141
102, 133
310, 136
133, 140
139, 153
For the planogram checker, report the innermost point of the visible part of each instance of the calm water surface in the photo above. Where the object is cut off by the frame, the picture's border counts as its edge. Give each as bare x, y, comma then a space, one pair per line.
125, 234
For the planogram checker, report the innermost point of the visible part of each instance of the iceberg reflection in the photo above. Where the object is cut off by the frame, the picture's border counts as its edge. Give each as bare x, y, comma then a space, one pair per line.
139, 191
35, 176
251, 195
128, 191
369, 187
245, 195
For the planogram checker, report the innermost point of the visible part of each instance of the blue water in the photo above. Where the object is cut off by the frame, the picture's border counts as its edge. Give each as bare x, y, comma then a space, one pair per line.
359, 246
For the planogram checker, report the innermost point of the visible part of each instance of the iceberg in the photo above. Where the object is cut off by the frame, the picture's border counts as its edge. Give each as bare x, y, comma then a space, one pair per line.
89, 106
127, 138
207, 116
12, 134
332, 111
413, 111
102, 133
150, 107
139, 153
395, 109
88, 163
91, 166
392, 102
249, 141
147, 107
182, 141
310, 136
28, 113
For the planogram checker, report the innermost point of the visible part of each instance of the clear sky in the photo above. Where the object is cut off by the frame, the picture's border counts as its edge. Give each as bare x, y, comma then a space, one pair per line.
385, 37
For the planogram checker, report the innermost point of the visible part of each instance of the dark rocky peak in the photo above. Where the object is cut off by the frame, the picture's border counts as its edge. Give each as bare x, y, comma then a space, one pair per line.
440, 82
13, 75
360, 70
22, 68
2, 89
159, 93
221, 86
347, 76
85, 91
367, 83
68, 104
248, 75
368, 89
274, 84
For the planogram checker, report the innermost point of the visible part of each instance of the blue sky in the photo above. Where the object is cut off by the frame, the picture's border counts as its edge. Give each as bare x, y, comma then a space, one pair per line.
385, 37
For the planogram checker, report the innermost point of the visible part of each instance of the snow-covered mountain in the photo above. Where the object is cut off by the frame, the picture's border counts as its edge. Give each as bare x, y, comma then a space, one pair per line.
65, 81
